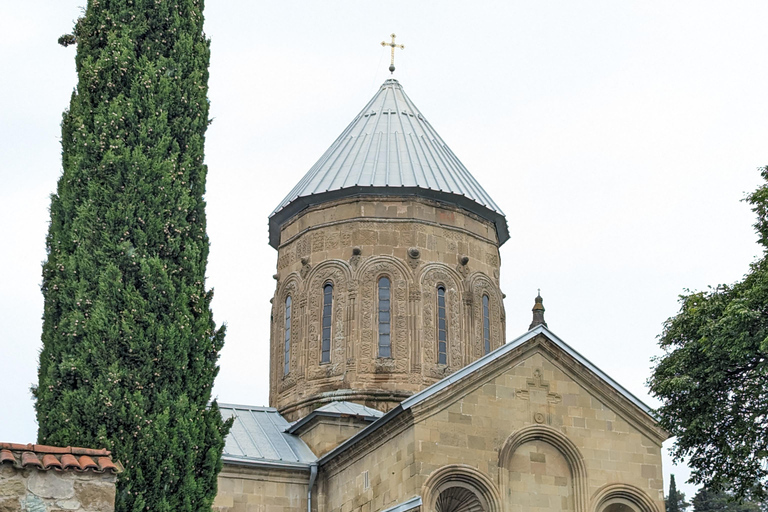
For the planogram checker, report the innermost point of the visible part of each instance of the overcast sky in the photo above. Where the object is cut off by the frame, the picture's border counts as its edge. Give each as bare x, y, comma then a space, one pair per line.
618, 137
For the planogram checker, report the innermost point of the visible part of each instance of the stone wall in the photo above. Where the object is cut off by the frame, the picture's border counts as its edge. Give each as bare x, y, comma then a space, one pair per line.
254, 489
325, 433
419, 245
34, 490
530, 434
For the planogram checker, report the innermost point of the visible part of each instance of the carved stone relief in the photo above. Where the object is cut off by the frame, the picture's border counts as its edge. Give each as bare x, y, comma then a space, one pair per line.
326, 273
369, 360
482, 285
429, 282
285, 382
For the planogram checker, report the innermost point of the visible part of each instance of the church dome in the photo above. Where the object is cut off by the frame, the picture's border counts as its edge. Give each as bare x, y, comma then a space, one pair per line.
389, 149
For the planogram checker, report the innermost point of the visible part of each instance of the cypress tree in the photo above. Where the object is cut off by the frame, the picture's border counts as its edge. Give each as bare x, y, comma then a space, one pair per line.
130, 348
673, 501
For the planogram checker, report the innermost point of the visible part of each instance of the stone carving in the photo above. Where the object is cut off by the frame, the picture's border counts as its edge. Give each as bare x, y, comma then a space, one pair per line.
318, 242
290, 288
482, 285
354, 260
369, 360
328, 272
332, 241
491, 260
539, 397
430, 280
305, 268
463, 267
413, 257
303, 247
538, 385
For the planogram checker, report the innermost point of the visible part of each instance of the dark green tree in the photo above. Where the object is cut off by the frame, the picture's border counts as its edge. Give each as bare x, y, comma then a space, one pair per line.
130, 348
711, 501
713, 378
675, 500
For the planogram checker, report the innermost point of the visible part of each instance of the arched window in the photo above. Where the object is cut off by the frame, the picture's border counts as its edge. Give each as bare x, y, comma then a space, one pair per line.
385, 343
486, 325
287, 345
325, 349
442, 330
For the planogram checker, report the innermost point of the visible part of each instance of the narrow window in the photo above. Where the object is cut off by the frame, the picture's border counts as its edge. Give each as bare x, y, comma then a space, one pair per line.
486, 325
385, 346
325, 349
287, 345
441, 328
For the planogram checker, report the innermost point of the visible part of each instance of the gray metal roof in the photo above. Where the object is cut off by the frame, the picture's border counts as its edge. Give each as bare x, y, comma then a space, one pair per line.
337, 409
258, 437
350, 408
389, 148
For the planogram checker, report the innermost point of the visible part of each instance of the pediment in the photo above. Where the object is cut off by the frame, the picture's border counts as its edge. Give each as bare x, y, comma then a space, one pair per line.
541, 343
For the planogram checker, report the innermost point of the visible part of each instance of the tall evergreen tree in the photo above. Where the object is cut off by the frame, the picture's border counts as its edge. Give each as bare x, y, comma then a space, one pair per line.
675, 501
130, 348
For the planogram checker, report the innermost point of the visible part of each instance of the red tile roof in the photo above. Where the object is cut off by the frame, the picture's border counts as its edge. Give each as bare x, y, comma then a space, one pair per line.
55, 458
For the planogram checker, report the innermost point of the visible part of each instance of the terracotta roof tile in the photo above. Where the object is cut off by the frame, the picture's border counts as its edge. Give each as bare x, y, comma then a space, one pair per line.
57, 458
30, 459
50, 461
70, 461
6, 456
87, 463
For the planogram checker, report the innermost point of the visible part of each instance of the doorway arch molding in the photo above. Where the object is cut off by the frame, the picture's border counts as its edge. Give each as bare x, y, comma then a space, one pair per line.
559, 441
460, 475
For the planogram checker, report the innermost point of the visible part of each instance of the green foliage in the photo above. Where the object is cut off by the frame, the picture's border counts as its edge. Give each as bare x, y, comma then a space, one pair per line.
710, 501
713, 378
675, 500
130, 348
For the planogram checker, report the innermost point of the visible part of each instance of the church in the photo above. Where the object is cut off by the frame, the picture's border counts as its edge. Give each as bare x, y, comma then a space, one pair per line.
393, 385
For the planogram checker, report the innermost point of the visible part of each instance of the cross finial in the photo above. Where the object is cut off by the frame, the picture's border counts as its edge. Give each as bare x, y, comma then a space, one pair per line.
393, 45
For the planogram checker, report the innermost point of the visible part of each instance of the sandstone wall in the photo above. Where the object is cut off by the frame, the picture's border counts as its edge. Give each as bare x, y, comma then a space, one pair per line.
419, 245
246, 489
530, 437
34, 490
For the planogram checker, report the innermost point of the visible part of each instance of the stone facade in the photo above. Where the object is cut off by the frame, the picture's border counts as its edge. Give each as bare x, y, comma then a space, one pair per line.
533, 428
419, 245
36, 490
533, 431
250, 489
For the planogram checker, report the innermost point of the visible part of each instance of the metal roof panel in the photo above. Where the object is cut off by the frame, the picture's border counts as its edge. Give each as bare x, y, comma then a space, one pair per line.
258, 436
389, 145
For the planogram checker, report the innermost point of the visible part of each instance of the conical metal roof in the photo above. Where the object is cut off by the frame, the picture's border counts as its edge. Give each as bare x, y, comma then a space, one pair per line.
389, 149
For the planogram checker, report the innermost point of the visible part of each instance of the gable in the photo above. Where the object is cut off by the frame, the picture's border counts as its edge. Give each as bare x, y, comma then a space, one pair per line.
531, 426
560, 360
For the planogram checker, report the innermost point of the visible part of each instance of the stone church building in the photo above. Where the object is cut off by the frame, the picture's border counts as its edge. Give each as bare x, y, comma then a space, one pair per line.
392, 384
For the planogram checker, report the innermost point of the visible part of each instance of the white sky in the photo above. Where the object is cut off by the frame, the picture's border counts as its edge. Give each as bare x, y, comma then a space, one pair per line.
618, 137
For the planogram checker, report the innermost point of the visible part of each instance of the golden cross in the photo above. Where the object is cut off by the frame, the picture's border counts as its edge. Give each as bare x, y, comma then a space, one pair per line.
393, 45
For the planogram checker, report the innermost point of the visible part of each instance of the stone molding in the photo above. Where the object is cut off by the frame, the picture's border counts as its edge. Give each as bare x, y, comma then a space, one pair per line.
559, 441
460, 475
622, 492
